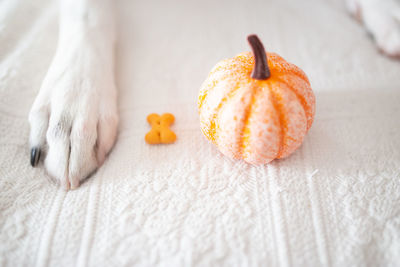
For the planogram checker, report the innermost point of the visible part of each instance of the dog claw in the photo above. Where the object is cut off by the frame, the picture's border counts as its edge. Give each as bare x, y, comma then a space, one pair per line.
74, 184
35, 156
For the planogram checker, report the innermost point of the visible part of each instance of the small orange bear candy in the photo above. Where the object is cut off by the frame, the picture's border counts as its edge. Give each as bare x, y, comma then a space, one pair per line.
160, 132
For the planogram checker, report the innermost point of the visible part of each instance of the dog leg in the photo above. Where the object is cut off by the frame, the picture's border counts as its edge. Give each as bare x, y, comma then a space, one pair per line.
74, 116
382, 20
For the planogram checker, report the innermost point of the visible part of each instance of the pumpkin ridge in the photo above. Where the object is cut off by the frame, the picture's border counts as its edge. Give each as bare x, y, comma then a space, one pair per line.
247, 114
308, 109
284, 67
204, 95
282, 124
210, 87
212, 131
301, 77
231, 66
298, 96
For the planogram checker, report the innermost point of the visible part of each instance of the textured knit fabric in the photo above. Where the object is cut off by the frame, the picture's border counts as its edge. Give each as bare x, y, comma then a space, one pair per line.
334, 202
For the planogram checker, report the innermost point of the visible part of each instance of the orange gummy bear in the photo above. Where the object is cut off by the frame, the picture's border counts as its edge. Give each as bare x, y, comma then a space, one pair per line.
160, 132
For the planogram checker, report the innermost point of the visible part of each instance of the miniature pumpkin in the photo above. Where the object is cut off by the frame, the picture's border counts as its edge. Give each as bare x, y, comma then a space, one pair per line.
256, 106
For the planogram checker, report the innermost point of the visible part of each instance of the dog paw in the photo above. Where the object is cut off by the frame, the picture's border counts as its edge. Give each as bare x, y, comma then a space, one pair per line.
382, 20
354, 7
388, 40
74, 118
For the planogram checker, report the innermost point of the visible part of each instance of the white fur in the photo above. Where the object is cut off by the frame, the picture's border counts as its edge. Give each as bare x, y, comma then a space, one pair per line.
382, 20
75, 112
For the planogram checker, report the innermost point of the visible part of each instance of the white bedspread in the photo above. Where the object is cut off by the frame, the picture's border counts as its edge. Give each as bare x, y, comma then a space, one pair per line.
334, 202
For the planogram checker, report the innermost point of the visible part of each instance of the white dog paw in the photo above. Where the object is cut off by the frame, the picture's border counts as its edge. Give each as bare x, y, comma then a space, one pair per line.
382, 20
354, 7
74, 117
388, 40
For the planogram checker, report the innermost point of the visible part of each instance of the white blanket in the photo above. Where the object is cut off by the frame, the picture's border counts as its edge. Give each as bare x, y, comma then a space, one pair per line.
334, 202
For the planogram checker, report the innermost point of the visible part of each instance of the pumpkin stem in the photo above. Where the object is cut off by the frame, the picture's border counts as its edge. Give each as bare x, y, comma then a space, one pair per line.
261, 70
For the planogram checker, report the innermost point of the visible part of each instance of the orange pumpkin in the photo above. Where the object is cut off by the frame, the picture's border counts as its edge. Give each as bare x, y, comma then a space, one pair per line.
256, 106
